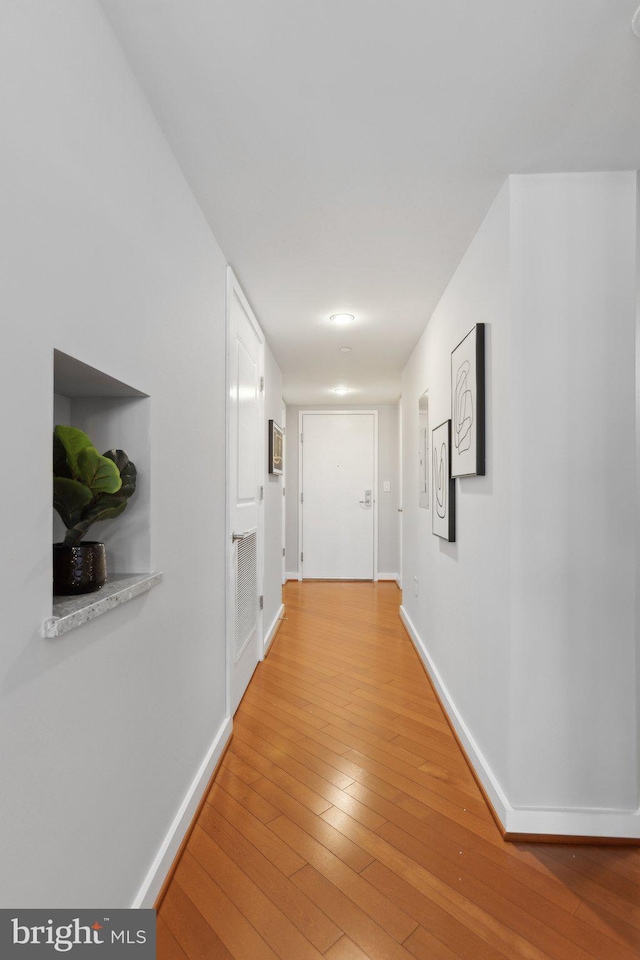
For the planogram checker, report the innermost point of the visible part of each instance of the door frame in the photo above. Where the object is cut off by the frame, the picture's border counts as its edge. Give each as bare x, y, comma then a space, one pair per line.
339, 413
233, 289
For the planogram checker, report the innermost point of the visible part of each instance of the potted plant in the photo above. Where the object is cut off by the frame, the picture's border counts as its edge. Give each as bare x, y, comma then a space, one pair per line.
87, 487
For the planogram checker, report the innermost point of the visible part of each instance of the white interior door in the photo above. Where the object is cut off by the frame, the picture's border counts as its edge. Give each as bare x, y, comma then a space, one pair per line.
245, 459
284, 499
338, 473
400, 491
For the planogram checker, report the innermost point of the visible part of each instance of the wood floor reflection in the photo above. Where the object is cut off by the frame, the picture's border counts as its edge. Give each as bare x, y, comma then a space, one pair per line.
345, 824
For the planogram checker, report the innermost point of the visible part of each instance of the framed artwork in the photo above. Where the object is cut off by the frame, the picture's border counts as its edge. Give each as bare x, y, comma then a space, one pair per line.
442, 484
276, 448
467, 405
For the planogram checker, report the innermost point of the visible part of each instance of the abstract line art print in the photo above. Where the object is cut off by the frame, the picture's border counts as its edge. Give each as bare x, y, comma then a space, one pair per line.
467, 405
276, 448
443, 485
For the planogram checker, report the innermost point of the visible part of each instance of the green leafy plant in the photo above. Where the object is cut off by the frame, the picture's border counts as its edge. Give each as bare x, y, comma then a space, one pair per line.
88, 487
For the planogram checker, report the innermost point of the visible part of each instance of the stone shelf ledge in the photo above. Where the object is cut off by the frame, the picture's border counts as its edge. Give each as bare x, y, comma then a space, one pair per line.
71, 612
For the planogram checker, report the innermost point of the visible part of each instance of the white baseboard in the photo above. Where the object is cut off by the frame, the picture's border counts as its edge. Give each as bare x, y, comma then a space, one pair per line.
574, 822
165, 856
273, 629
610, 824
399, 583
294, 575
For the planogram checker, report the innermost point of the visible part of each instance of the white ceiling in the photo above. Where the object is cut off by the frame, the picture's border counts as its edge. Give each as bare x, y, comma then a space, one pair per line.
345, 152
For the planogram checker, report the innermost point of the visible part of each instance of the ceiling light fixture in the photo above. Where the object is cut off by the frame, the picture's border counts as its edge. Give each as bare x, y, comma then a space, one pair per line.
340, 319
345, 349
341, 391
635, 23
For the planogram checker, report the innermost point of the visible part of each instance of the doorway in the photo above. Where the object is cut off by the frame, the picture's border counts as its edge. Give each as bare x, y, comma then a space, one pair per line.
338, 519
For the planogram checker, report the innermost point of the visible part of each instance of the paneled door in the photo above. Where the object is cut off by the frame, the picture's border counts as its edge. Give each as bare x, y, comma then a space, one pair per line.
338, 488
245, 475
283, 419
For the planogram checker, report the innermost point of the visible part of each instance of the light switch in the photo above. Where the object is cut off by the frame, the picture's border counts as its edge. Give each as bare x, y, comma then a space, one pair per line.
386, 486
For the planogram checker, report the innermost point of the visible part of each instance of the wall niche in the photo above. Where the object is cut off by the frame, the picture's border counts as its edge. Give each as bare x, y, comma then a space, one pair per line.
113, 414
424, 447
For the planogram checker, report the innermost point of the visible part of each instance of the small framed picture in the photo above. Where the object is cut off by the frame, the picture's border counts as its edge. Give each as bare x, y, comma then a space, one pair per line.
443, 485
276, 448
467, 405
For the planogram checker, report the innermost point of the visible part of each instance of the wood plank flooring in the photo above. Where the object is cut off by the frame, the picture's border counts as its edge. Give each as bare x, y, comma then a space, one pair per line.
345, 824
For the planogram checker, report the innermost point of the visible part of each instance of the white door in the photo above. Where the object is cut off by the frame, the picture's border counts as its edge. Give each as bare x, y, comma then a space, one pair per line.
284, 499
338, 482
245, 459
400, 493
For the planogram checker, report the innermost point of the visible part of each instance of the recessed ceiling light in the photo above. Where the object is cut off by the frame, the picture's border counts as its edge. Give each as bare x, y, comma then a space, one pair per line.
340, 319
342, 390
345, 349
635, 22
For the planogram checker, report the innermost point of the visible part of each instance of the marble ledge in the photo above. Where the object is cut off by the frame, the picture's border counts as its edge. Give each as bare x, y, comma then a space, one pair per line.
71, 612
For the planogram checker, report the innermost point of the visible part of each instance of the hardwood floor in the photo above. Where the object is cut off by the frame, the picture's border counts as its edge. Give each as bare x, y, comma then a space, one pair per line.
344, 822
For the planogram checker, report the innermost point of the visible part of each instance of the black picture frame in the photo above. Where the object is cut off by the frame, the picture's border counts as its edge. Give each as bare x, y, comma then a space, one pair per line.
443, 516
468, 405
276, 448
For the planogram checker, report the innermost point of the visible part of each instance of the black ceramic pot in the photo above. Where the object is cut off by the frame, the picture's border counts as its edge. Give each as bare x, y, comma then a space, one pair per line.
80, 569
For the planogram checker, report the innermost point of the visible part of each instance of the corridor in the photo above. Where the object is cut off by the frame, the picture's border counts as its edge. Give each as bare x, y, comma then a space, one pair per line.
344, 822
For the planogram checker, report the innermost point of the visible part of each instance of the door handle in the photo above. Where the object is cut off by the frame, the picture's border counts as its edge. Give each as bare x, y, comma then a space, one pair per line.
239, 536
367, 498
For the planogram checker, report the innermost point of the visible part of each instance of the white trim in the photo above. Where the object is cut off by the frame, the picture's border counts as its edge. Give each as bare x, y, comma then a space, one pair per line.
388, 576
271, 632
489, 782
617, 824
399, 582
152, 883
292, 575
569, 822
347, 412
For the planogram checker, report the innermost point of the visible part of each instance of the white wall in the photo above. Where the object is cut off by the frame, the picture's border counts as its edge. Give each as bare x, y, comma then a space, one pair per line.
388, 503
106, 257
461, 610
272, 587
528, 622
573, 543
